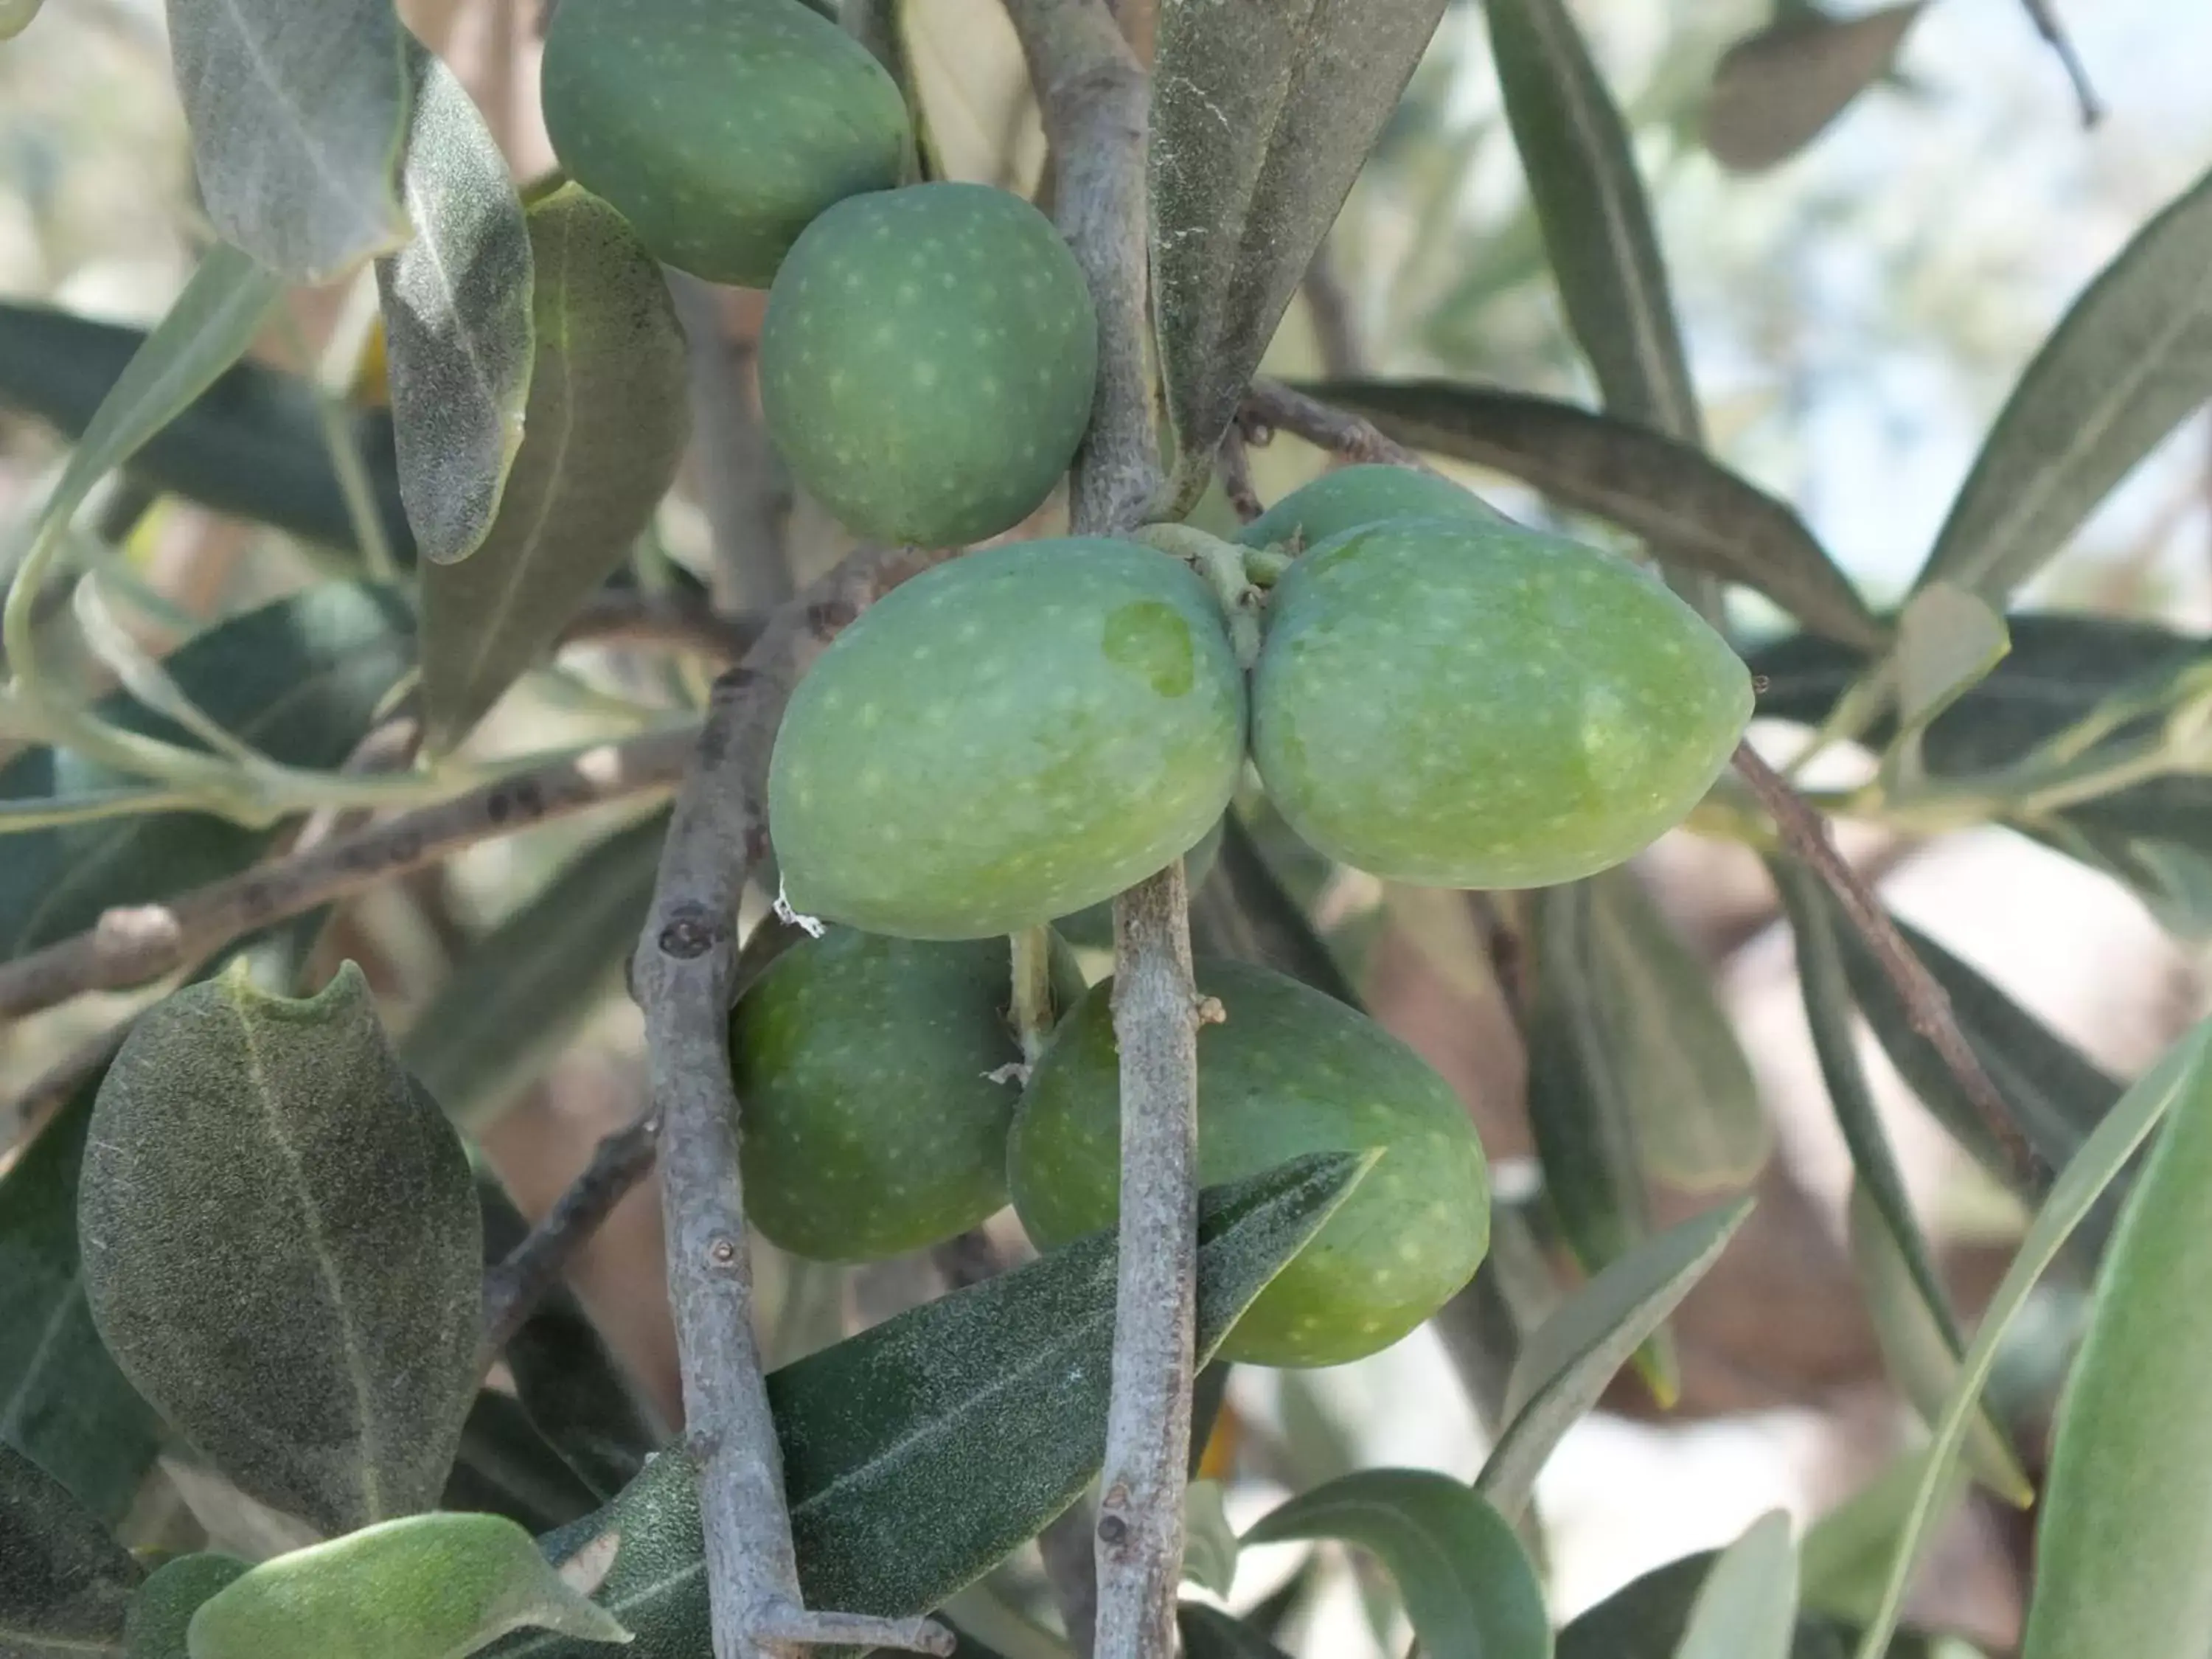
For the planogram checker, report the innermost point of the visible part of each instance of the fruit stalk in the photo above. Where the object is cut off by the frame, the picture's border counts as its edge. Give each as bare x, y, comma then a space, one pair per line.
1095, 100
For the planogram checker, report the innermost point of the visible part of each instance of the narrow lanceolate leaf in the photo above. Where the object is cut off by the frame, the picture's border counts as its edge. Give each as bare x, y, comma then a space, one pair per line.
605, 429
276, 1148
1209, 1542
249, 445
2182, 1074
1244, 911
1700, 1125
161, 1612
1573, 1355
62, 1400
1263, 111
2127, 1520
1921, 1352
1948, 641
1747, 1608
458, 329
64, 1584
2130, 361
1688, 509
300, 679
1209, 1633
427, 1587
297, 114
1467, 1584
206, 329
1775, 90
1846, 1552
517, 995
1590, 204
920, 1453
506, 1467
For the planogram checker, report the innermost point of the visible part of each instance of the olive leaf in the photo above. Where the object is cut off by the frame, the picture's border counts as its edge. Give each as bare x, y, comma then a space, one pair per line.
275, 1149
63, 1403
1645, 1618
15, 16
920, 1453
161, 1612
64, 1584
1569, 1359
1777, 89
1921, 1352
1948, 641
1244, 912
1263, 111
2131, 359
1467, 1584
1209, 1633
507, 1466
1747, 1608
1209, 1553
1596, 223
1688, 1086
249, 444
1845, 1552
517, 995
2182, 1073
605, 426
425, 1587
2125, 1522
1689, 510
457, 329
297, 114
300, 679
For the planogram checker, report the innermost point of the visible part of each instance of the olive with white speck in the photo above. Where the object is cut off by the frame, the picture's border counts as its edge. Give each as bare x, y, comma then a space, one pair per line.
1458, 704
1354, 497
869, 1124
1290, 1071
1007, 739
927, 363
720, 129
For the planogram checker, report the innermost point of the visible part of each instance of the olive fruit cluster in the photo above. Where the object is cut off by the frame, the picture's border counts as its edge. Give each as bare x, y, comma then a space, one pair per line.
928, 354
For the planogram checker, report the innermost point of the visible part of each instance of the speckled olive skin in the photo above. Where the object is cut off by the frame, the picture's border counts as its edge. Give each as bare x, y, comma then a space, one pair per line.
868, 1124
1354, 497
1290, 1071
1007, 738
1471, 705
927, 363
720, 129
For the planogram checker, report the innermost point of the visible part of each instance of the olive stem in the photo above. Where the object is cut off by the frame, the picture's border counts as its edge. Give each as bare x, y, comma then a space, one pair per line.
1221, 564
1096, 104
1030, 953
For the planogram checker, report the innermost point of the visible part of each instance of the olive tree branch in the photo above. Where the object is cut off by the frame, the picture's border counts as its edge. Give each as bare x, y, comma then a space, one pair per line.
513, 1289
1270, 407
1927, 1005
130, 944
1094, 97
684, 976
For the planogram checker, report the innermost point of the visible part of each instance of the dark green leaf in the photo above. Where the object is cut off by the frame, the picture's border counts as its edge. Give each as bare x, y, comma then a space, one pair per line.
1263, 111
1774, 91
1689, 510
506, 1467
2130, 361
2182, 1072
276, 1148
1209, 1633
63, 1402
1596, 223
605, 426
298, 679
1645, 1618
249, 446
1573, 1355
425, 1587
577, 1392
921, 1452
517, 995
1747, 1608
297, 116
2126, 1526
161, 1612
1687, 1086
1467, 1584
64, 1584
459, 334
1244, 912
